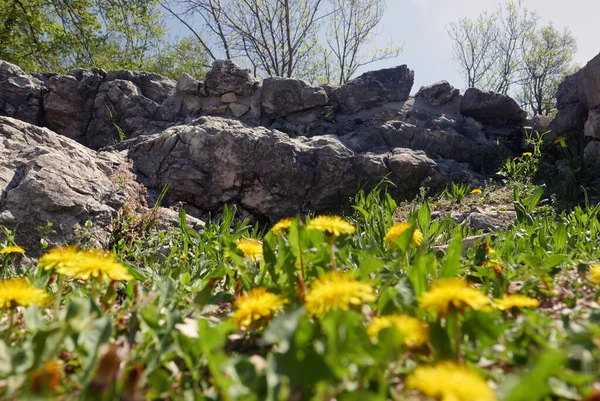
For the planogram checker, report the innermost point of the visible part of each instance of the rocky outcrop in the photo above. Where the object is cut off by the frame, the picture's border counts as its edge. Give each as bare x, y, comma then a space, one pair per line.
215, 161
578, 116
437, 94
20, 94
282, 97
46, 177
491, 107
225, 76
375, 88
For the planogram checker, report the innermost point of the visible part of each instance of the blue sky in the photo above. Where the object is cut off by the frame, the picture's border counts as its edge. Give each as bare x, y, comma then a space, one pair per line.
420, 25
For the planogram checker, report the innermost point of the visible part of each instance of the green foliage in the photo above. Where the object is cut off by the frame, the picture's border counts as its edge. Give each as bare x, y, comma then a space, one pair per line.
58, 35
169, 333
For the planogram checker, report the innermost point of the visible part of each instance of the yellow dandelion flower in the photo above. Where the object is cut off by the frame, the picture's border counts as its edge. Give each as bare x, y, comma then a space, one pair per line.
12, 249
18, 292
476, 191
397, 229
337, 290
516, 301
453, 292
527, 154
47, 378
595, 274
448, 381
97, 264
334, 225
560, 139
414, 331
256, 305
58, 257
251, 248
282, 226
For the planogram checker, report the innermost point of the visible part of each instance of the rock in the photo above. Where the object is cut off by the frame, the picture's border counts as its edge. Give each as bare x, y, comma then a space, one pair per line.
284, 96
169, 219
489, 221
215, 110
68, 105
568, 122
20, 94
214, 161
229, 97
591, 156
437, 94
491, 107
568, 91
188, 85
541, 124
592, 124
127, 104
238, 109
46, 177
375, 88
589, 83
225, 76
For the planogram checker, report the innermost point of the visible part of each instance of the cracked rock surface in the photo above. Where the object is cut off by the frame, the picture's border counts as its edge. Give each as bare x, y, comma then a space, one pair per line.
213, 161
46, 177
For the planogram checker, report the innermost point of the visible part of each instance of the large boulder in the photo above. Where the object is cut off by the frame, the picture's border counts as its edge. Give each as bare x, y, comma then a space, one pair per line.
568, 122
491, 107
589, 83
225, 76
375, 88
20, 94
281, 97
214, 161
568, 91
68, 105
129, 104
437, 94
46, 177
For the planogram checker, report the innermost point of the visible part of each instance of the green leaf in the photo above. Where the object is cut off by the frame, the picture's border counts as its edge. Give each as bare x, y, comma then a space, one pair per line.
451, 266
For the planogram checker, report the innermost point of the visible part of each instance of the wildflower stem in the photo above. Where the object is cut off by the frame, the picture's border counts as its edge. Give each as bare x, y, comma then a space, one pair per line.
60, 283
11, 323
457, 335
332, 254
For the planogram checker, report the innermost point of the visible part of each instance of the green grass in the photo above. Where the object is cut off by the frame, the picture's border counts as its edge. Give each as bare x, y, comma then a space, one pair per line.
169, 333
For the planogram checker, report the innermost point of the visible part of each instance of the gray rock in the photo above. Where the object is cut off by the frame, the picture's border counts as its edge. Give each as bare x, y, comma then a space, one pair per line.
46, 177
589, 83
375, 88
20, 94
68, 105
284, 96
238, 110
214, 161
437, 94
568, 122
491, 107
568, 91
591, 156
489, 221
229, 97
592, 124
188, 85
225, 76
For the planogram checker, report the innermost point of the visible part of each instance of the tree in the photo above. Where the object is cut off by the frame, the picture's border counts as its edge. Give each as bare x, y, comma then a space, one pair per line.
281, 37
57, 35
187, 55
548, 58
473, 49
352, 27
489, 50
275, 36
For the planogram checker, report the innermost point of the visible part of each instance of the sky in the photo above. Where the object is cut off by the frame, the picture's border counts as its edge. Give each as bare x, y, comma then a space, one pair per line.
420, 27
